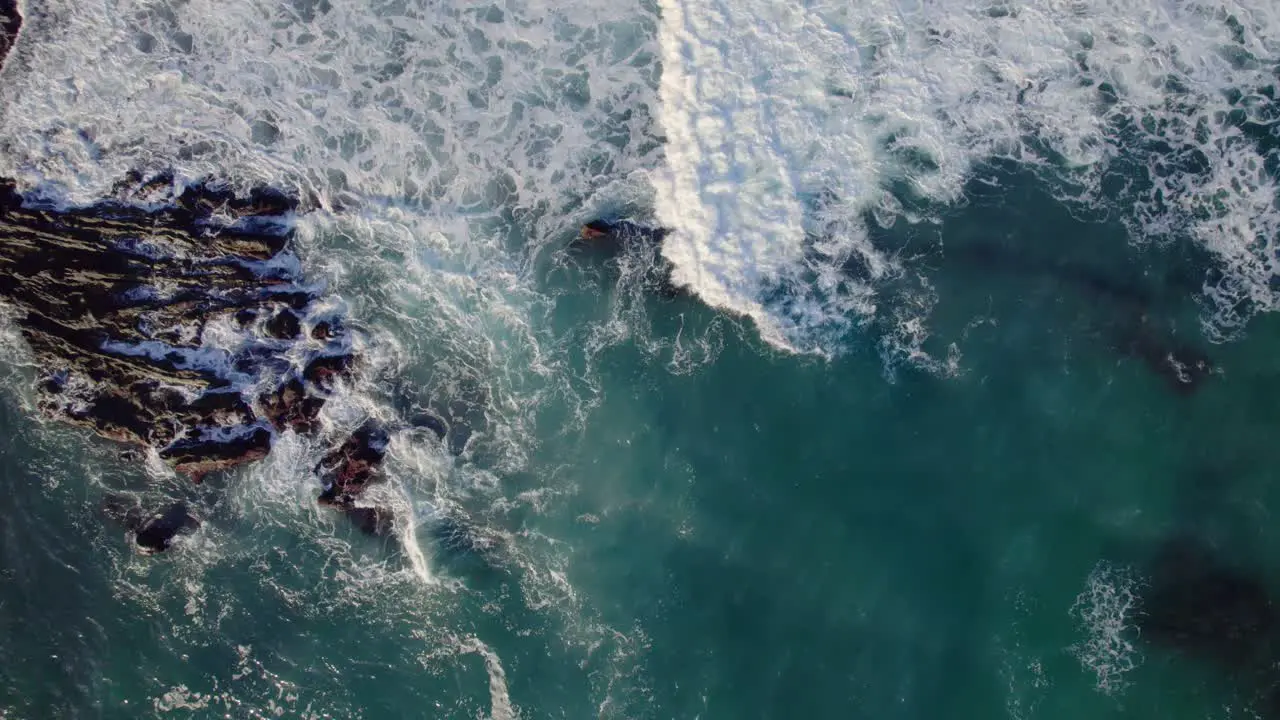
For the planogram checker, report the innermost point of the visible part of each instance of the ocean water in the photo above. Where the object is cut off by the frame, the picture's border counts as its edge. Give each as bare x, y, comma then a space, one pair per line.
908, 444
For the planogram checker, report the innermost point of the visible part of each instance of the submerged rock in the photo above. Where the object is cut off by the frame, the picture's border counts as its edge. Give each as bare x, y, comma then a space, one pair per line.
1181, 366
1206, 608
117, 301
1203, 607
374, 521
1126, 322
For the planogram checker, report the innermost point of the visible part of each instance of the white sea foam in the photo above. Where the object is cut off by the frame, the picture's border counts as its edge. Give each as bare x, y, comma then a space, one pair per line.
459, 107
788, 124
1105, 613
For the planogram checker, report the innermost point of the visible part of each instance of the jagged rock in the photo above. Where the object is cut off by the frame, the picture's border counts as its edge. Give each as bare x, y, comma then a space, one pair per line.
284, 325
324, 371
114, 300
323, 330
349, 468
291, 407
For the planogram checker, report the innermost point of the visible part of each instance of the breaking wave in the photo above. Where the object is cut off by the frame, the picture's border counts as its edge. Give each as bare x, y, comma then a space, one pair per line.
794, 129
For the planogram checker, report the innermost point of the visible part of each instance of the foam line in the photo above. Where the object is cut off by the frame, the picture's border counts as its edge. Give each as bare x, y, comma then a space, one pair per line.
789, 126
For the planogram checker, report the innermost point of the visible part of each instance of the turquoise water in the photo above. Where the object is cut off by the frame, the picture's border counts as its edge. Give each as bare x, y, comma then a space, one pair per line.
729, 532
961, 504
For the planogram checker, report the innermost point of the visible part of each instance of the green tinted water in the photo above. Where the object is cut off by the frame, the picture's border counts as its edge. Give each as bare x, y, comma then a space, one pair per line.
729, 532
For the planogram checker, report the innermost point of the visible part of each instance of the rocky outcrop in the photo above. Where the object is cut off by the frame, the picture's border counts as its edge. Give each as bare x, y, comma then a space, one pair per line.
349, 468
175, 324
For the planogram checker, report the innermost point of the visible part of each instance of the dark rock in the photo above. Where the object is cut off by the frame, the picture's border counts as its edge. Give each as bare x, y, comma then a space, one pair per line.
347, 469
153, 532
156, 533
216, 451
325, 370
124, 510
284, 325
323, 330
114, 299
291, 407
10, 26
246, 316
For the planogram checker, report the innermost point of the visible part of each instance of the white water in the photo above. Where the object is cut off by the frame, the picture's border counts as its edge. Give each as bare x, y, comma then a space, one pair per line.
444, 134
788, 123
435, 133
1105, 613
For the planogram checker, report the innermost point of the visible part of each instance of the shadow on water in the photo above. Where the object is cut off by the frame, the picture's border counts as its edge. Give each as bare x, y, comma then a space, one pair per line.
1013, 241
1205, 607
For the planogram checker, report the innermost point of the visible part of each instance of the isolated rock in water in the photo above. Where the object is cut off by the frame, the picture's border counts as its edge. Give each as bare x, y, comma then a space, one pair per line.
431, 422
157, 532
612, 239
153, 532
128, 309
349, 468
10, 26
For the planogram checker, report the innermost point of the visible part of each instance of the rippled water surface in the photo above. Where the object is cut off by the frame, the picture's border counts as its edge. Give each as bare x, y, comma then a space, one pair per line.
923, 434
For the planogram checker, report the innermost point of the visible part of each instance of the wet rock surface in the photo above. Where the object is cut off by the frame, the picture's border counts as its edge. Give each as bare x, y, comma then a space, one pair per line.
347, 469
169, 319
345, 472
152, 532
